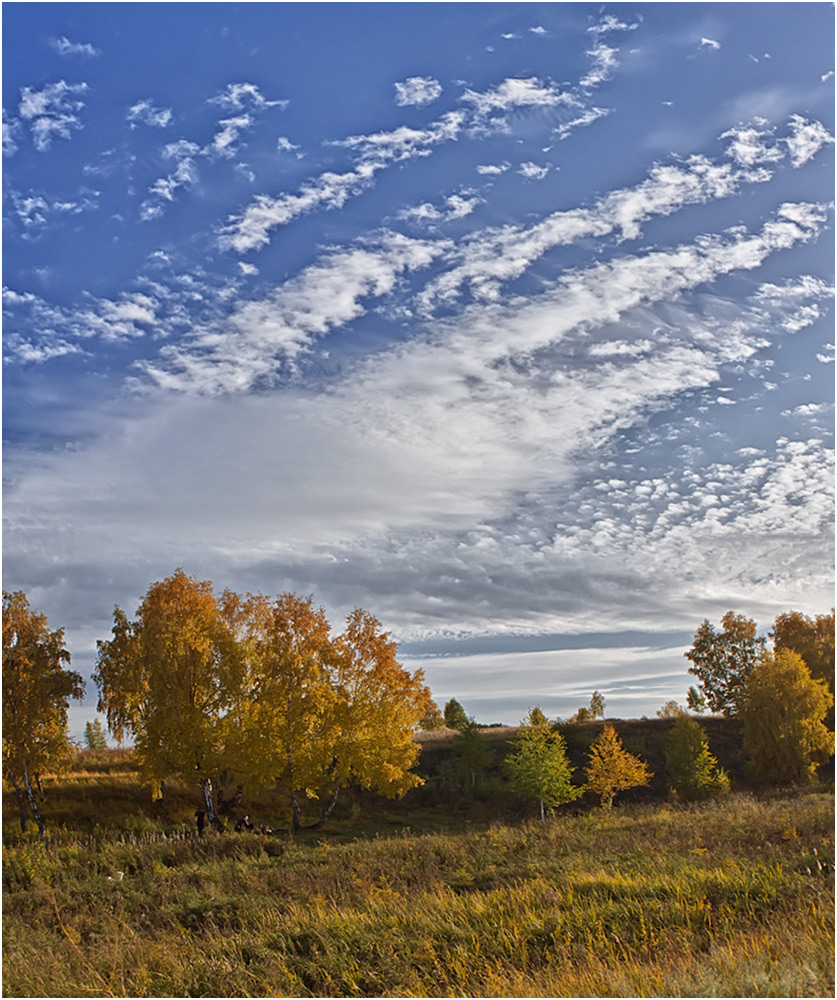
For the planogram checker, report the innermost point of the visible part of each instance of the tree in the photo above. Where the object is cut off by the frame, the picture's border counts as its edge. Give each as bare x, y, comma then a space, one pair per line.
612, 768
692, 771
473, 754
723, 660
597, 706
540, 769
784, 706
455, 717
317, 712
813, 640
695, 701
537, 717
432, 718
378, 707
36, 695
94, 736
591, 713
671, 710
282, 721
167, 678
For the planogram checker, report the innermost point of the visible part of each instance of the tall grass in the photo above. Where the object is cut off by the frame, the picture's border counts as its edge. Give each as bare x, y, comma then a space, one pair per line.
723, 899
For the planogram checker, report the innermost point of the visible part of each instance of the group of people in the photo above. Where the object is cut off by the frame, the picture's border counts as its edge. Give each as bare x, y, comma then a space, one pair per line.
242, 824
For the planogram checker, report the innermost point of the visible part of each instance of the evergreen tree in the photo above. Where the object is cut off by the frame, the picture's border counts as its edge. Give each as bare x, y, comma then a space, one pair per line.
455, 717
473, 754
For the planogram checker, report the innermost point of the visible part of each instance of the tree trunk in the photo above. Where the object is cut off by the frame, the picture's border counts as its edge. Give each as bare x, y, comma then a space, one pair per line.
209, 800
226, 806
543, 818
32, 803
21, 802
329, 809
296, 811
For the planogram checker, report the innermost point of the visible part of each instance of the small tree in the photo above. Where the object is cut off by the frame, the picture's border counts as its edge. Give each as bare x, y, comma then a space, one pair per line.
612, 769
94, 736
455, 717
539, 768
473, 754
671, 710
723, 660
592, 712
783, 711
537, 717
432, 718
692, 771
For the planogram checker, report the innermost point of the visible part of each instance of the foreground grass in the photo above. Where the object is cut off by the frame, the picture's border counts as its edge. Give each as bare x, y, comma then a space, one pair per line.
726, 899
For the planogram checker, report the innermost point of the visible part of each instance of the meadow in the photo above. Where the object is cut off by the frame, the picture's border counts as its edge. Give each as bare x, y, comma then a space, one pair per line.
733, 897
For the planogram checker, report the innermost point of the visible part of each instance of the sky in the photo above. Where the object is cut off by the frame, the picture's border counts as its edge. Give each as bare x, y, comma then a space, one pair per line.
511, 323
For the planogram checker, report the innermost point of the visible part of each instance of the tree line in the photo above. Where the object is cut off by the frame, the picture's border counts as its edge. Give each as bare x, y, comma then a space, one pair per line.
245, 691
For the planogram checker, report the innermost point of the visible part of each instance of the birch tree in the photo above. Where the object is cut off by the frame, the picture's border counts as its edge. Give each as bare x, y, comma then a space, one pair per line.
36, 694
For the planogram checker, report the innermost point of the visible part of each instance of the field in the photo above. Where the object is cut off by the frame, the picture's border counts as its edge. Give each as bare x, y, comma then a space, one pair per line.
727, 898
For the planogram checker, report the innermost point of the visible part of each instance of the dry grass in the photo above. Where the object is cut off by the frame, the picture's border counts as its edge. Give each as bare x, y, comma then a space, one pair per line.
726, 899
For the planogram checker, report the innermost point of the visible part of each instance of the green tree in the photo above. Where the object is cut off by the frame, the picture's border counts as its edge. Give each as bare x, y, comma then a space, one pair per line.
612, 768
36, 693
168, 679
473, 754
455, 717
723, 660
671, 710
94, 736
692, 771
813, 639
540, 769
696, 701
784, 706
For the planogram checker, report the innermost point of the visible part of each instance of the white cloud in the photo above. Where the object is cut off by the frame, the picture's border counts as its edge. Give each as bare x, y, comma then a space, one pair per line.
489, 258
454, 206
51, 112
417, 90
806, 139
250, 230
604, 62
34, 212
147, 114
64, 47
709, 43
184, 174
532, 171
284, 145
538, 30
492, 169
237, 96
223, 142
515, 93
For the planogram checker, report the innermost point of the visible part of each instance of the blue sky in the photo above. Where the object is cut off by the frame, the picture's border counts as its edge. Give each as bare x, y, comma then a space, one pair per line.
510, 323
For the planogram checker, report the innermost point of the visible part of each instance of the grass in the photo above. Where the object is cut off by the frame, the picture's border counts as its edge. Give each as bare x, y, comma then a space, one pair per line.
728, 898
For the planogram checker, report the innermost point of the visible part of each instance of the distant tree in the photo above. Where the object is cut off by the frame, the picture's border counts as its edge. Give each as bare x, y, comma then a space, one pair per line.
671, 710
592, 712
723, 660
597, 706
692, 771
612, 768
36, 695
812, 639
455, 717
94, 736
784, 706
473, 754
540, 769
432, 718
537, 717
696, 701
